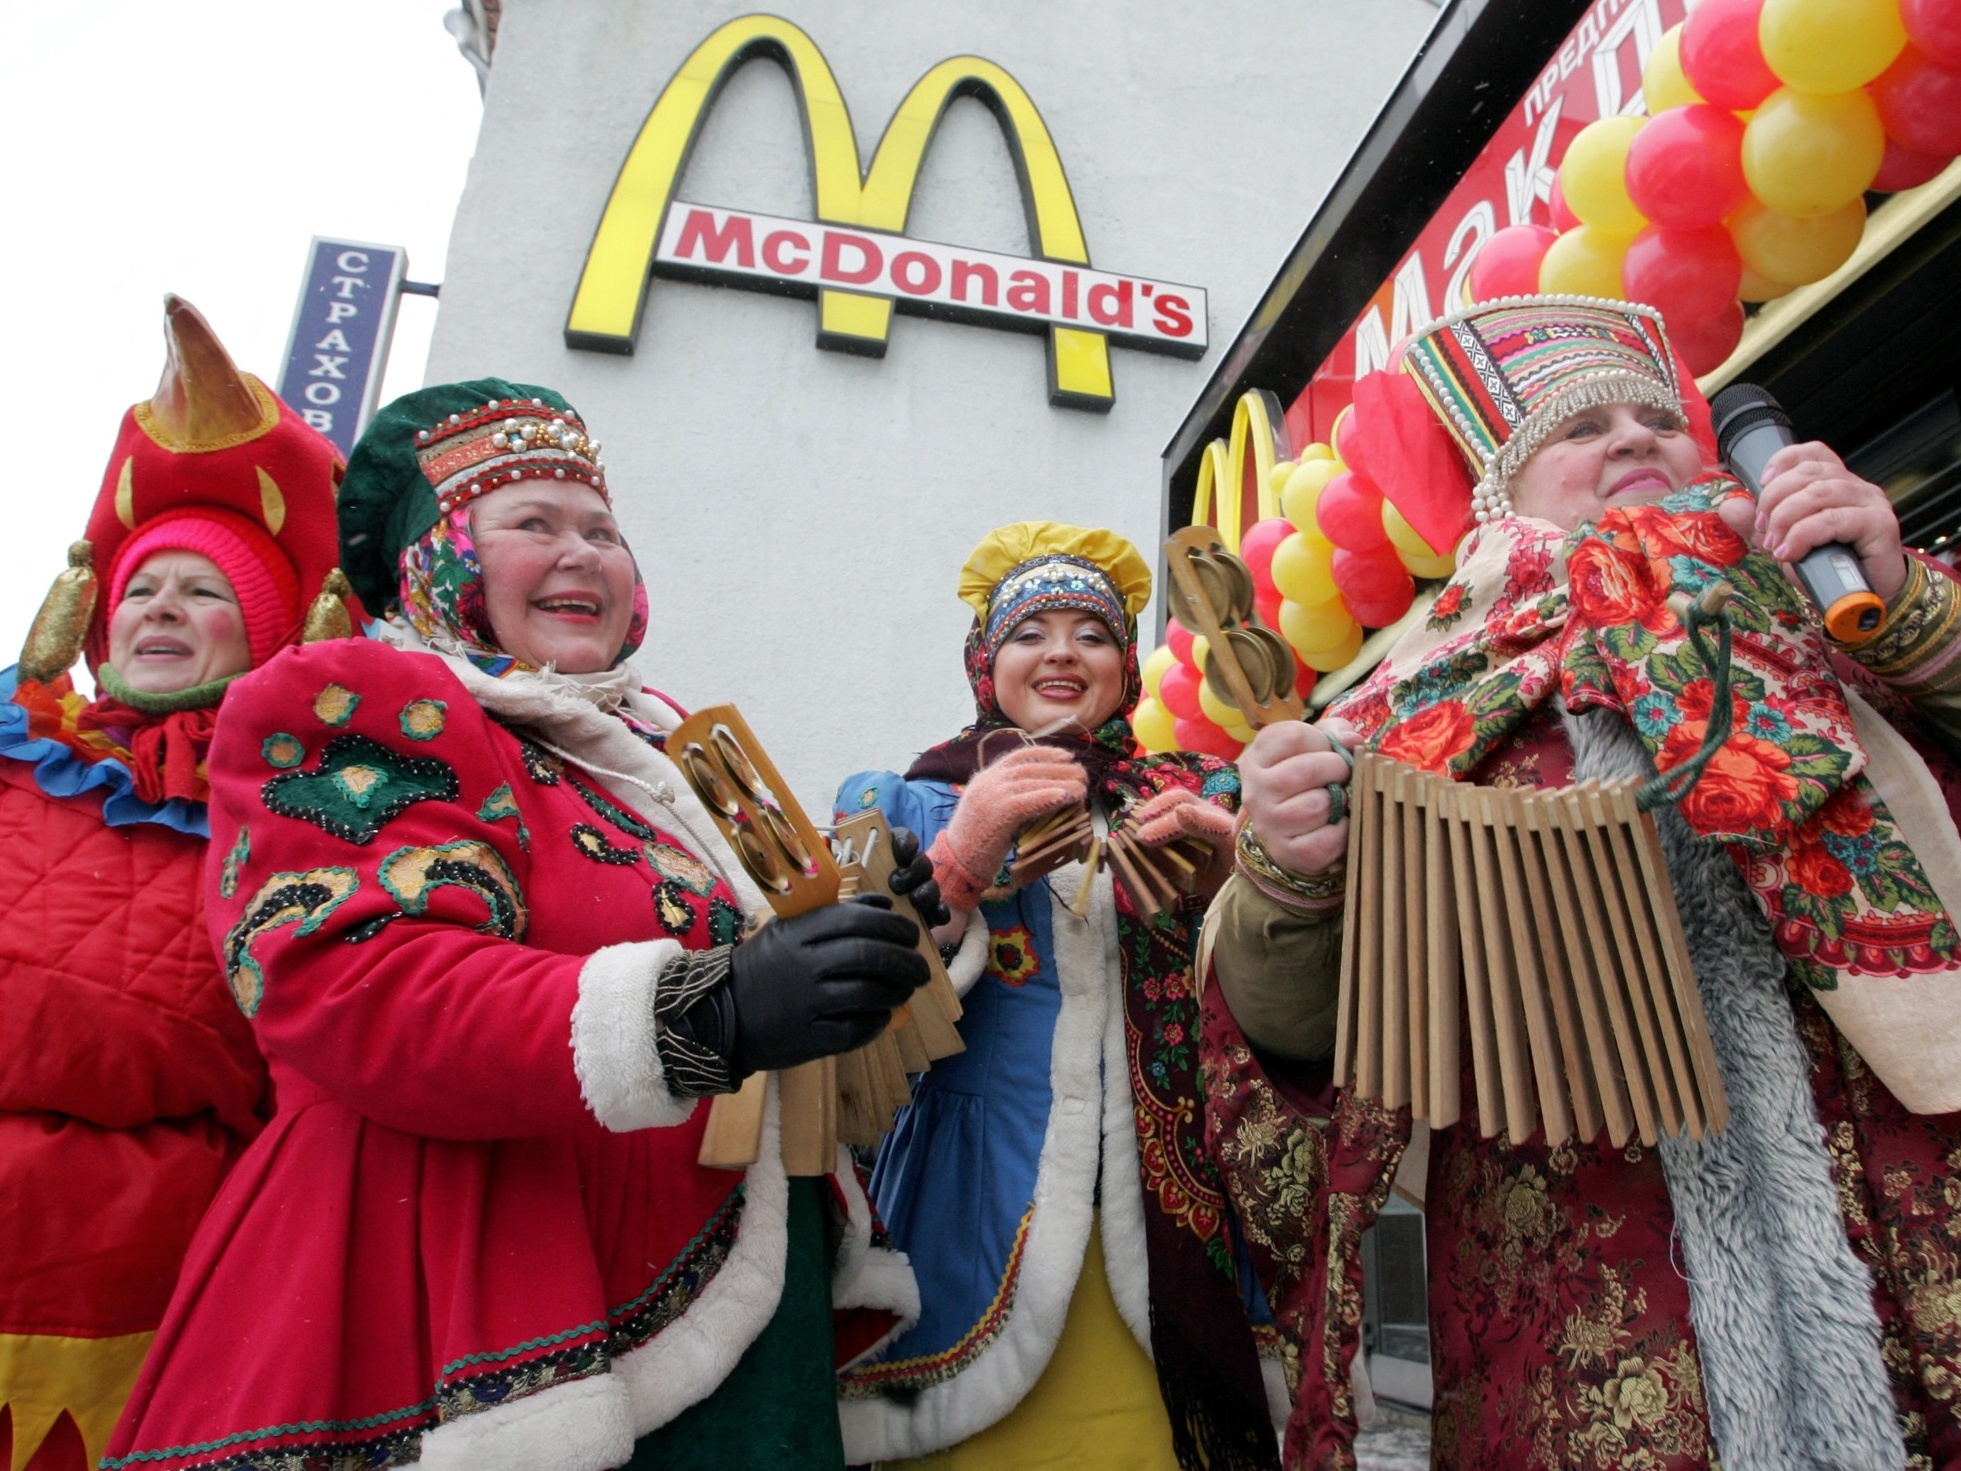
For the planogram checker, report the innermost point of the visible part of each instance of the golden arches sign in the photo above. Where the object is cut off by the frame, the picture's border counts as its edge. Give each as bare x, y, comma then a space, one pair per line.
1239, 463
634, 233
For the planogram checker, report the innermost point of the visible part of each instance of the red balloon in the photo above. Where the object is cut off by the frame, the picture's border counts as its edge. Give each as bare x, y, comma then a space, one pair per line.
1256, 548
1178, 692
1685, 167
1563, 218
1686, 275
1935, 27
1304, 678
1508, 263
1721, 57
1902, 168
1920, 104
1350, 513
1266, 602
1374, 584
1202, 735
1180, 639
1704, 345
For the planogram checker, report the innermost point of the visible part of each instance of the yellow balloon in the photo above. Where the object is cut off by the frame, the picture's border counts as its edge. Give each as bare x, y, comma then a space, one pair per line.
1830, 45
1303, 567
1152, 725
1303, 489
1594, 176
1156, 666
1334, 435
1217, 710
1240, 733
1314, 627
1759, 287
1662, 82
1277, 481
1584, 261
1403, 536
1329, 659
1201, 649
1809, 155
1316, 452
1439, 566
1782, 251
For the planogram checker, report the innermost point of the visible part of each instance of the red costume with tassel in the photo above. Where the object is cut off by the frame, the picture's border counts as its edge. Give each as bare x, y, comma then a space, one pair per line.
130, 1081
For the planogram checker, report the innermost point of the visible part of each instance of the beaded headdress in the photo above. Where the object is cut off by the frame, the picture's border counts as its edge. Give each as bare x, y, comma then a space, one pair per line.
1503, 374
1032, 567
507, 440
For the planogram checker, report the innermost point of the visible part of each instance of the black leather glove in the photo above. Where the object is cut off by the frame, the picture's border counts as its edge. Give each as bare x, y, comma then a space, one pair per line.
804, 988
912, 878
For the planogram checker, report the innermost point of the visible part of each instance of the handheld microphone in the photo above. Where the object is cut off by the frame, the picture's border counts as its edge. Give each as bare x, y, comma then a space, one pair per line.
1751, 426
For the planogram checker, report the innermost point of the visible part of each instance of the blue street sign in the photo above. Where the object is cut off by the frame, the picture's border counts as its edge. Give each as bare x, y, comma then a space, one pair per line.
341, 332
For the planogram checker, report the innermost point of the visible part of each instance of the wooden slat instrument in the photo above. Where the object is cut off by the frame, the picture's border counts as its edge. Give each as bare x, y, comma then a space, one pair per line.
850, 1098
1545, 923
1247, 665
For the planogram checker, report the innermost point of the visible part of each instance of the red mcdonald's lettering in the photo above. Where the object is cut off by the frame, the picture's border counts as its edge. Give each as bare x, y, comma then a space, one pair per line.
776, 252
1109, 306
871, 259
915, 273
1174, 316
965, 271
1069, 294
699, 235
1028, 291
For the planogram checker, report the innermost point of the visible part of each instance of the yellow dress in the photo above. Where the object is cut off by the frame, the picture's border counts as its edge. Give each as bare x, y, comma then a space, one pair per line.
1095, 1408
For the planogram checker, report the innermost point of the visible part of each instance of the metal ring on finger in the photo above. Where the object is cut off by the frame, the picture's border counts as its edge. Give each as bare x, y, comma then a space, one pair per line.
1337, 802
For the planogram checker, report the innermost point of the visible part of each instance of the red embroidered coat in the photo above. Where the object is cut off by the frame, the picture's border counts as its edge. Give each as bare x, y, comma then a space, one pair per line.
474, 1232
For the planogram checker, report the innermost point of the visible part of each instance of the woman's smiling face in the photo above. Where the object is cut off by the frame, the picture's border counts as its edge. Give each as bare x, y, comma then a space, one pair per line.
1622, 454
557, 578
1059, 672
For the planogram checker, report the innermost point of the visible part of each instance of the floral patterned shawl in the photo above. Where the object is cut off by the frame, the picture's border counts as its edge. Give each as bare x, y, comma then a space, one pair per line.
1532, 612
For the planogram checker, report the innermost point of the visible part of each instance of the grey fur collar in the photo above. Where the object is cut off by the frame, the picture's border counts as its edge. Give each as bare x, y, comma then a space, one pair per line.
1782, 1308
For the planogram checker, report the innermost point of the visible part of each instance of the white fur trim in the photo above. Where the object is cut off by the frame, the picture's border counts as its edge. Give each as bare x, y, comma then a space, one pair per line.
971, 958
691, 1357
867, 1276
1126, 1260
884, 1429
613, 1030
580, 1426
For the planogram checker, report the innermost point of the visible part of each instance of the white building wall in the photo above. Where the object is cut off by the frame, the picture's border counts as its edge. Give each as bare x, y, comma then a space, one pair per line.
801, 515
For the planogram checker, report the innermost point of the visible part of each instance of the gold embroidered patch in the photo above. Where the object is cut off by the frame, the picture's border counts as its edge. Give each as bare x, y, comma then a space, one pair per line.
335, 705
358, 782
422, 720
282, 750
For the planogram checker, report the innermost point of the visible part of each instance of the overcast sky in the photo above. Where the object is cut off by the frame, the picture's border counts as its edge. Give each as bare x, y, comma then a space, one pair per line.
196, 147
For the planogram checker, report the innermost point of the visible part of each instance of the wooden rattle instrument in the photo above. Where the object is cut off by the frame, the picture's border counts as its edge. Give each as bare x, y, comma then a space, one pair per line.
795, 868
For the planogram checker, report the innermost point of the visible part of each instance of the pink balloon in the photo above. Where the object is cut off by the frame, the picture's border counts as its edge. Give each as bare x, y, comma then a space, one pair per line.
1902, 168
1704, 345
1935, 27
1563, 218
1374, 584
1721, 56
1685, 167
1266, 602
1304, 678
1920, 104
1179, 638
1686, 275
1508, 263
1256, 548
1203, 736
1350, 513
1178, 692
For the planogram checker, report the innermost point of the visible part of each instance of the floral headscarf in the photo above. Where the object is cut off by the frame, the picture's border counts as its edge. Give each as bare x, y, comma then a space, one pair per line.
441, 592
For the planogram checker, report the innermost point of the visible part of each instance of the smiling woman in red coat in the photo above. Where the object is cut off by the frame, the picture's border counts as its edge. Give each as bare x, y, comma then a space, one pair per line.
128, 1080
496, 952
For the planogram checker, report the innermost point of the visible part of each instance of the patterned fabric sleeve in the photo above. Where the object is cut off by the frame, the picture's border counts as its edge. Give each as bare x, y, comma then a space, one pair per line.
1916, 650
368, 903
1279, 969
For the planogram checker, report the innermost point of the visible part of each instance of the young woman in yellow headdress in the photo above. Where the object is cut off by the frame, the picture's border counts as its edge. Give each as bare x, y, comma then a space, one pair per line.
1049, 1183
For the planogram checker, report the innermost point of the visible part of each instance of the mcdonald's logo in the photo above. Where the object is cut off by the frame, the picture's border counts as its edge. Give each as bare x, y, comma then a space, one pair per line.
855, 257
